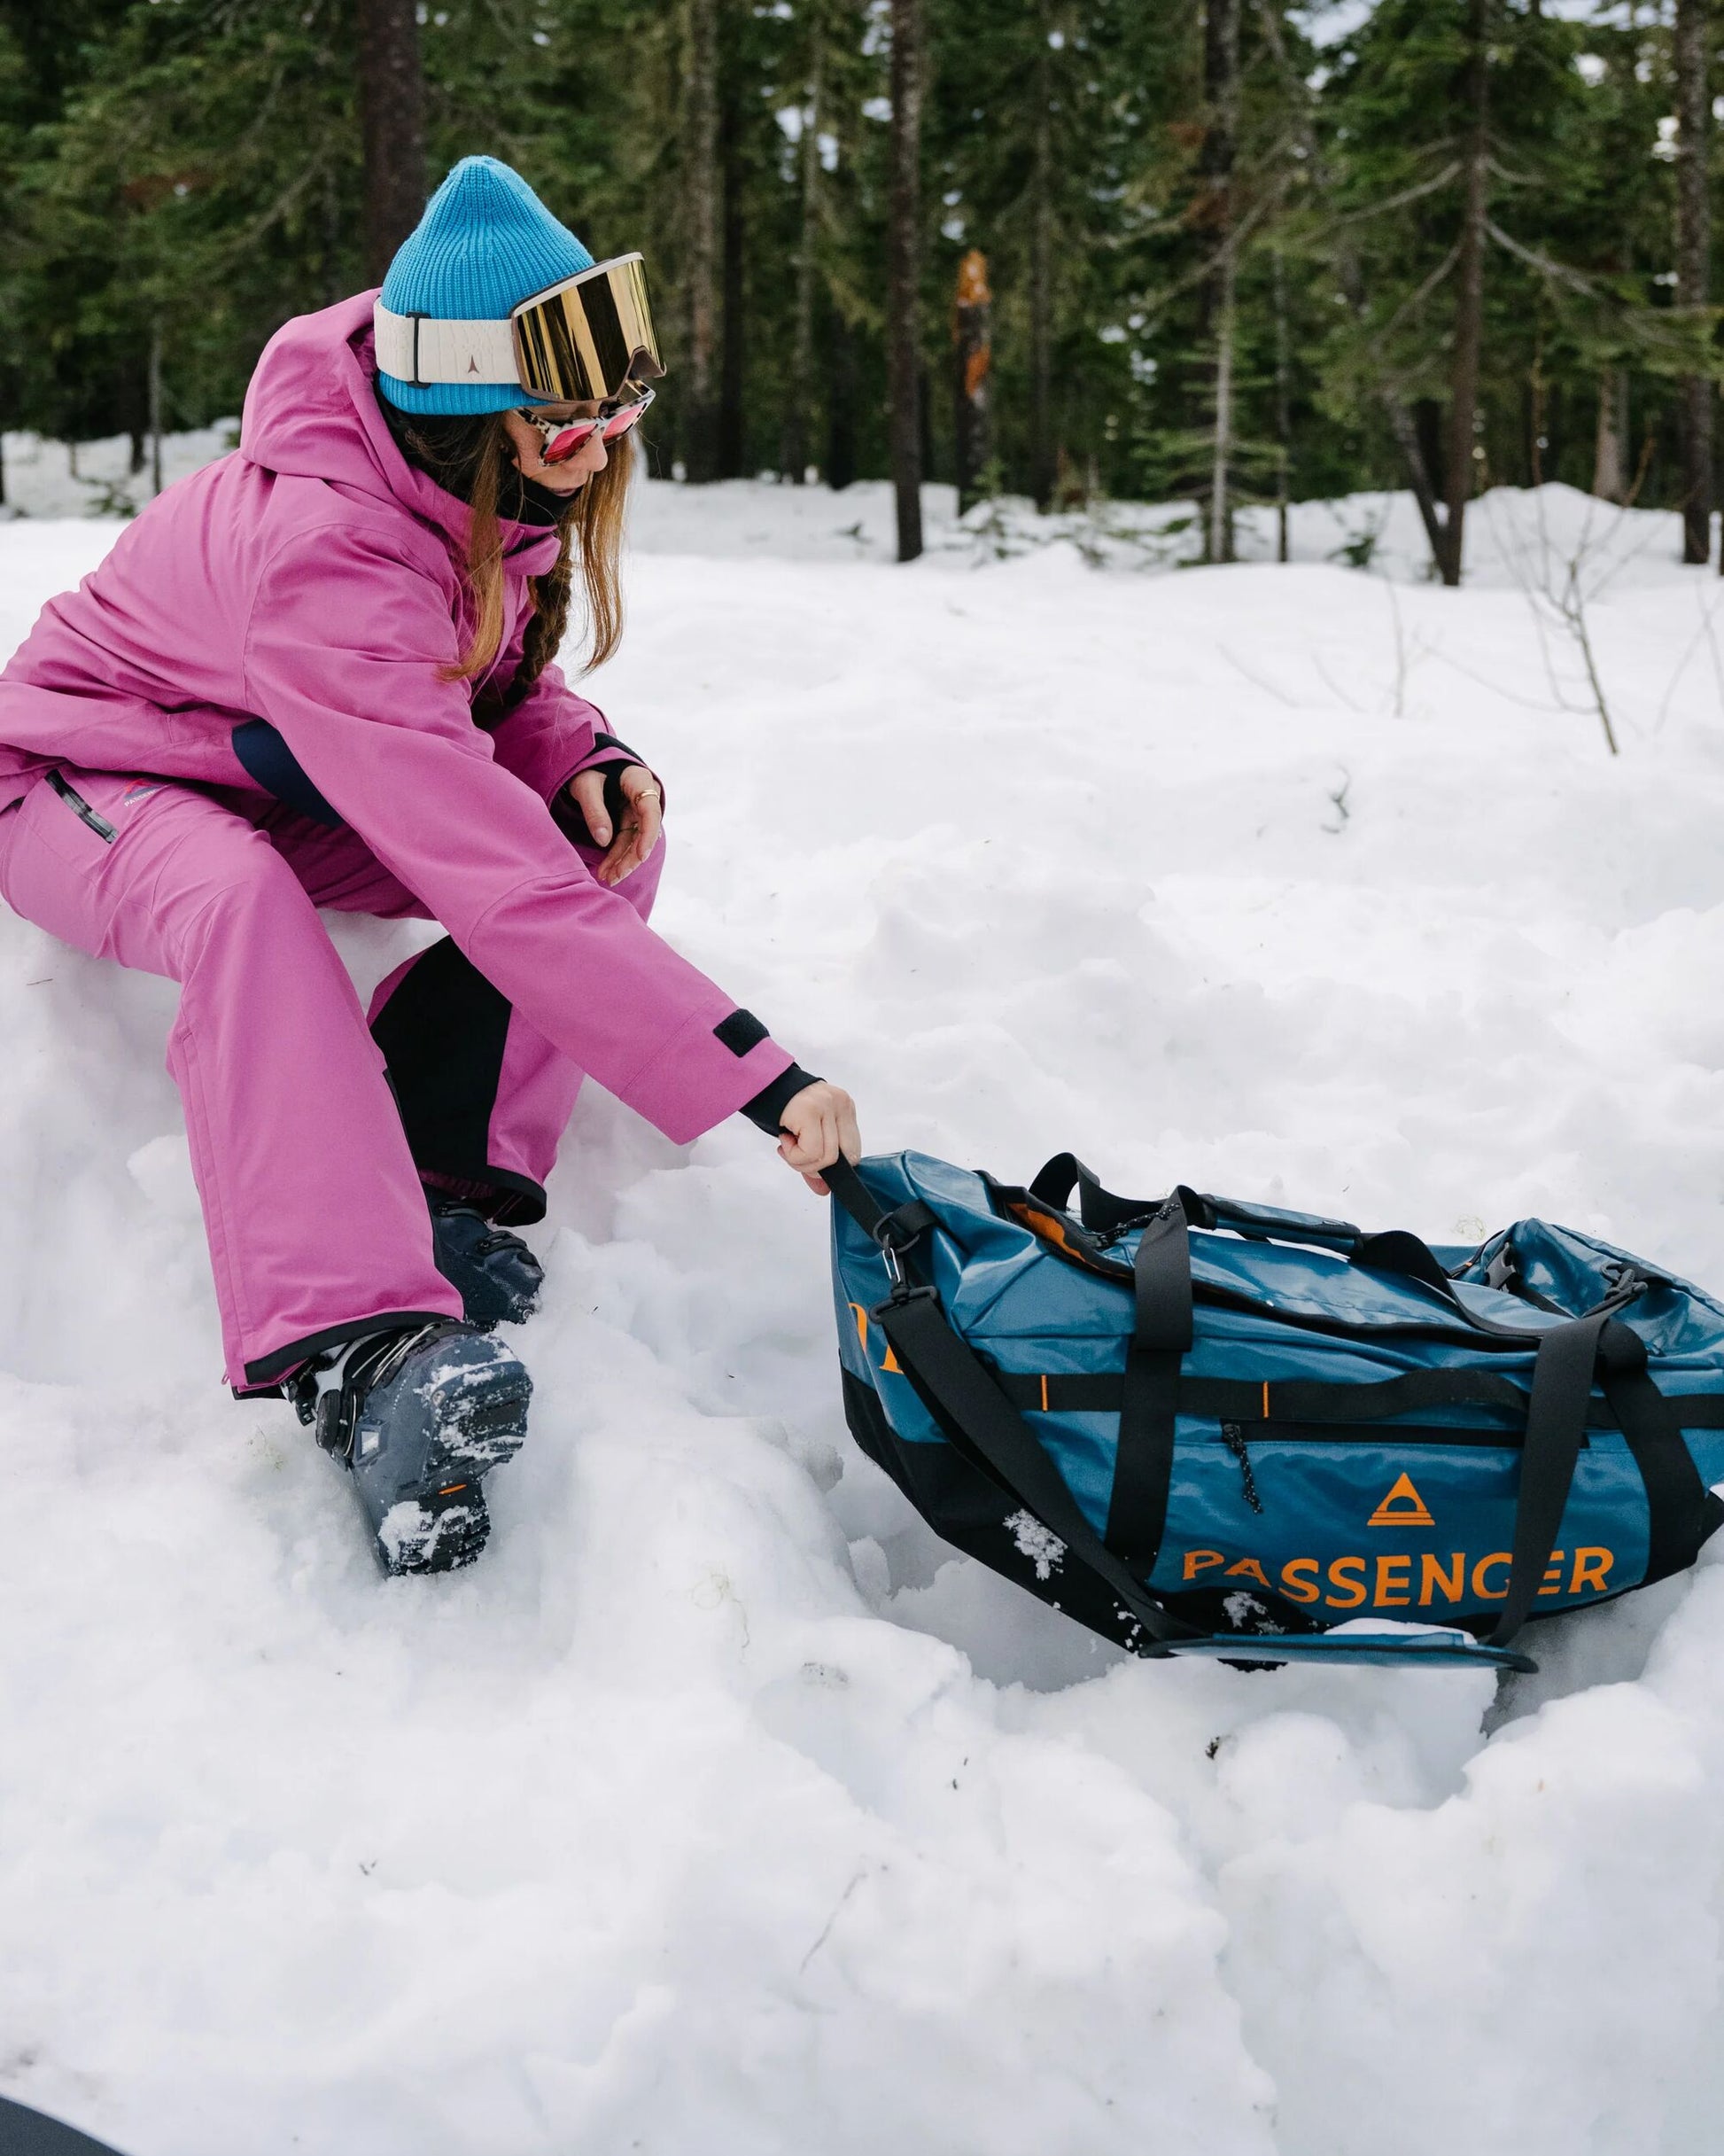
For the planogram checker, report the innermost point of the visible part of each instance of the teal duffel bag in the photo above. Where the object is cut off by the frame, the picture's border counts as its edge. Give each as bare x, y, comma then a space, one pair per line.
1205, 1427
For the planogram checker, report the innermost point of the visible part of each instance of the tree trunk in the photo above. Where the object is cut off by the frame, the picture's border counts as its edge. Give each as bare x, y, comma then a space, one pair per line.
1609, 455
391, 95
155, 405
904, 267
841, 406
330, 277
1042, 456
972, 336
732, 407
1283, 413
1401, 424
1470, 295
700, 201
1693, 243
1221, 84
1220, 548
794, 457
135, 459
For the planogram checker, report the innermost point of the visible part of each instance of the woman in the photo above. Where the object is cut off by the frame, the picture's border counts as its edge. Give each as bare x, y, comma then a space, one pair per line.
317, 673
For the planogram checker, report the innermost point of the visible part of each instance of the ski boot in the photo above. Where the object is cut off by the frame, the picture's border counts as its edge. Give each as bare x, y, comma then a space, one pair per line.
419, 1414
497, 1276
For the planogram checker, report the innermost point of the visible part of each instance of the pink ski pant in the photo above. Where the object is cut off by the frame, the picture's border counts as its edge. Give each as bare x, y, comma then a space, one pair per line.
310, 1128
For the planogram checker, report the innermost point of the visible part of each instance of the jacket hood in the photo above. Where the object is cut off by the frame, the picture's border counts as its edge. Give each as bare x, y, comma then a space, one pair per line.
311, 412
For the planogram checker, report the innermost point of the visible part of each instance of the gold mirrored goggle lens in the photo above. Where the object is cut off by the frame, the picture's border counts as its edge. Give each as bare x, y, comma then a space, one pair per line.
583, 340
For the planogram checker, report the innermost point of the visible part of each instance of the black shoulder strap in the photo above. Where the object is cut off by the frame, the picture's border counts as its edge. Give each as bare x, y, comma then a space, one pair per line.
960, 1390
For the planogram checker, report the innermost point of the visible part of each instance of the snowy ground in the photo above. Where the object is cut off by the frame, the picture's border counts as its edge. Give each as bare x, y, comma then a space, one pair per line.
721, 1811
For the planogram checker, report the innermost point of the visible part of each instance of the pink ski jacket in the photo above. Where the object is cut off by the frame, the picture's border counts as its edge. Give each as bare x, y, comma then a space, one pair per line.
313, 579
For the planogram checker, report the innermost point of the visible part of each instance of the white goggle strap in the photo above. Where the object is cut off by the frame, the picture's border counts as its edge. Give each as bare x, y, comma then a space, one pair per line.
423, 350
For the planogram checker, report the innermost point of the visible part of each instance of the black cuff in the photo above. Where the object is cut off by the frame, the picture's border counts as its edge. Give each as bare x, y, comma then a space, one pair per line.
616, 801
566, 810
772, 1100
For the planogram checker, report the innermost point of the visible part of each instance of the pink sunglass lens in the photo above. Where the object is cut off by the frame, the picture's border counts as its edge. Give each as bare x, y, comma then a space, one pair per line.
563, 444
619, 423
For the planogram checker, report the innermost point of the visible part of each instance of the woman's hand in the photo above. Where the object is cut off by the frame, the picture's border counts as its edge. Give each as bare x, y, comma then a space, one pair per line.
820, 1124
643, 820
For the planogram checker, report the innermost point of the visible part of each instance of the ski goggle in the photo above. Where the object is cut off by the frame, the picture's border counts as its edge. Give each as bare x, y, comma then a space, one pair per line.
562, 437
581, 340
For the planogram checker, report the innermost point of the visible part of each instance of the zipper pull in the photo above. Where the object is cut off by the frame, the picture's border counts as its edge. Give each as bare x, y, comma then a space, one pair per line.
1233, 1435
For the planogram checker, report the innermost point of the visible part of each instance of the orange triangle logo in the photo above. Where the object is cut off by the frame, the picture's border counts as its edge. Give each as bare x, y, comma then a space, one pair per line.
1402, 1508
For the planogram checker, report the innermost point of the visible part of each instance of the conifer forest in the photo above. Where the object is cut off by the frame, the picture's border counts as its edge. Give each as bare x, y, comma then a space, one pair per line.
1233, 254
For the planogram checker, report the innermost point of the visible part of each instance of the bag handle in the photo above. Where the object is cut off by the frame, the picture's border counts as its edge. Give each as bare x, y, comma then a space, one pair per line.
1099, 1208
1392, 1251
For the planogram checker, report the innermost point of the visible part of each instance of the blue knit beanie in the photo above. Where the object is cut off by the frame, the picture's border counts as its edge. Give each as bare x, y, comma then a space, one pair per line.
484, 244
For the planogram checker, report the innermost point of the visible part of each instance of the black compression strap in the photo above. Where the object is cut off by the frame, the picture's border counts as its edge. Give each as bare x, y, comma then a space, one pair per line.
1679, 1514
1149, 1400
1306, 1402
1556, 1422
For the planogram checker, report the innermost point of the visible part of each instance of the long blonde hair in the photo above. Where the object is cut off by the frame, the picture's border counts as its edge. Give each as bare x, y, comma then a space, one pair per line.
474, 459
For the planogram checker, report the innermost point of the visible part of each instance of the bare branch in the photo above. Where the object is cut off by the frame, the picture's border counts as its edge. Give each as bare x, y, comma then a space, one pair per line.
1393, 202
1559, 273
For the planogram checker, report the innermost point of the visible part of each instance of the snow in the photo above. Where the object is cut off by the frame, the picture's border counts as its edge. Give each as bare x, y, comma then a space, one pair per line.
1039, 1543
721, 1809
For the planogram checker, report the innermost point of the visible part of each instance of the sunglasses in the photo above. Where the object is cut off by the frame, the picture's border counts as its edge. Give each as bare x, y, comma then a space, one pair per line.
562, 437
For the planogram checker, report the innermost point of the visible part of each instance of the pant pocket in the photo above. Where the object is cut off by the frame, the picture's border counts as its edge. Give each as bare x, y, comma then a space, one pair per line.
81, 808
